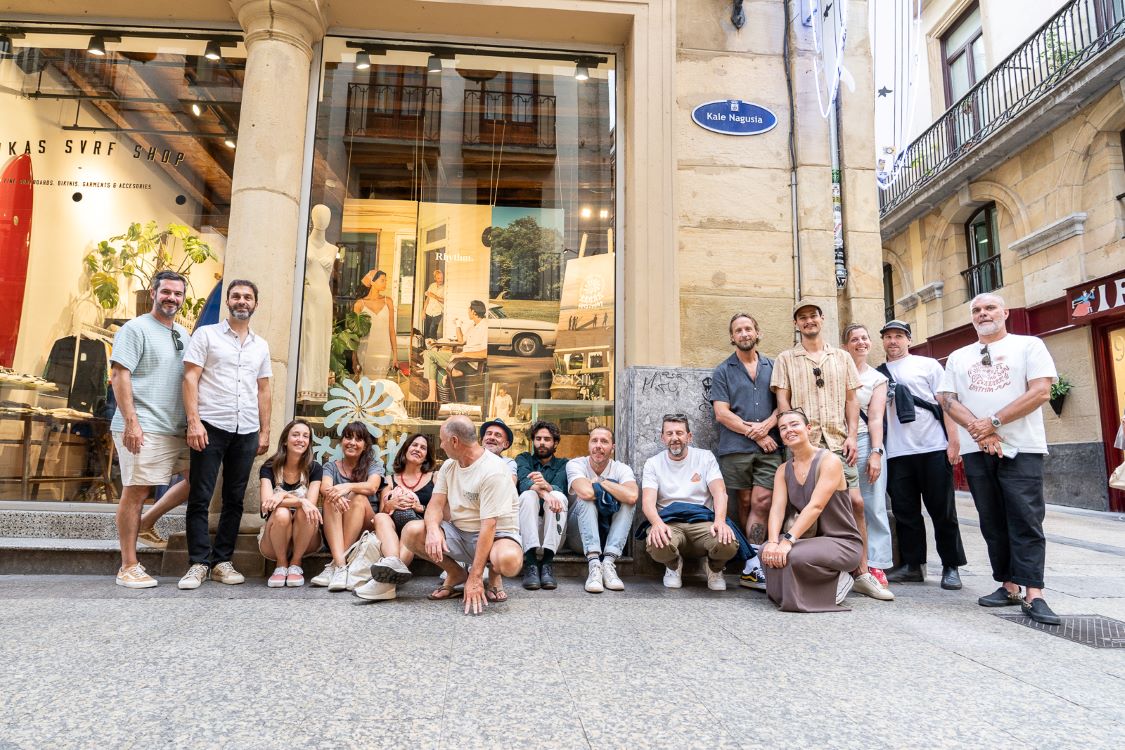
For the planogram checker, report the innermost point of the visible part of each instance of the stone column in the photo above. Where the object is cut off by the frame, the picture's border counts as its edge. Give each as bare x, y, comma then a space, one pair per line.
267, 182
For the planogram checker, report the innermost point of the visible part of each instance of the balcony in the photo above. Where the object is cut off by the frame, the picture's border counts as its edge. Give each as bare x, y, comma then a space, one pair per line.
984, 277
1071, 59
511, 120
394, 112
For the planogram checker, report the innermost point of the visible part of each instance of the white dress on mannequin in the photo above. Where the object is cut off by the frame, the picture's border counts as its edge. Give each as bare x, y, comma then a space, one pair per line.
316, 320
374, 350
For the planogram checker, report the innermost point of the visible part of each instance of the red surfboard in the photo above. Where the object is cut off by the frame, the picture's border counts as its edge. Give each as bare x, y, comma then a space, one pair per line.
16, 192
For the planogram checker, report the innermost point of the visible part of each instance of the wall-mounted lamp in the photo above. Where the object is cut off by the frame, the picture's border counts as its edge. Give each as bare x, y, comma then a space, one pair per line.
96, 46
433, 65
362, 60
213, 51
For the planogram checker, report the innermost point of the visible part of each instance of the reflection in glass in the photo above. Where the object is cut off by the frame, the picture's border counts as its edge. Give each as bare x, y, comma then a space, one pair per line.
478, 201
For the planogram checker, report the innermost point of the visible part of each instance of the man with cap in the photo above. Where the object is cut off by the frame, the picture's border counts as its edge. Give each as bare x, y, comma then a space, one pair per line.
822, 381
922, 448
496, 437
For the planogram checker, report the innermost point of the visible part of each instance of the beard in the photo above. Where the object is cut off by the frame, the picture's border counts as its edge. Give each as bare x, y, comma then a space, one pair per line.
543, 452
987, 328
241, 313
746, 346
677, 449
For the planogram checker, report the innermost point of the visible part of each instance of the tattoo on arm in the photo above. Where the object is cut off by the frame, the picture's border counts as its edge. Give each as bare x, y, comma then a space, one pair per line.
946, 400
757, 533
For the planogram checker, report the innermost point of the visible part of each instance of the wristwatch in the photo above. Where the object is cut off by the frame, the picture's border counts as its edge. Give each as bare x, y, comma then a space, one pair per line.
787, 537
879, 450
995, 420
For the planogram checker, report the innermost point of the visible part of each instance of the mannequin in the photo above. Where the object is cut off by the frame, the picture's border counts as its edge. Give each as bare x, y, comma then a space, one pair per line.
316, 323
379, 349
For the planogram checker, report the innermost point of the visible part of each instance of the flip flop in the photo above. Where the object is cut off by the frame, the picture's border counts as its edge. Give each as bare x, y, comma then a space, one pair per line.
446, 591
496, 595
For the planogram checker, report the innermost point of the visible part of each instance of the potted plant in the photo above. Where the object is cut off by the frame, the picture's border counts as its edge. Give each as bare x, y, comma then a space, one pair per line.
347, 332
1058, 394
140, 253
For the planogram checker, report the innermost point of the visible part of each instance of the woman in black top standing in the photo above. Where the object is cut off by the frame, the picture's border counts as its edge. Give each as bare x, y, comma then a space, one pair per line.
410, 485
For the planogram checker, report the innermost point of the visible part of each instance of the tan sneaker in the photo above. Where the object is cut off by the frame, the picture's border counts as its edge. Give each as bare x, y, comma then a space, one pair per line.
150, 538
135, 577
194, 578
868, 585
224, 572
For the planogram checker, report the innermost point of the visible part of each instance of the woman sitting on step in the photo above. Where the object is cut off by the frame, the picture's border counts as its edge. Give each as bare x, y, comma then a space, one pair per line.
410, 485
290, 485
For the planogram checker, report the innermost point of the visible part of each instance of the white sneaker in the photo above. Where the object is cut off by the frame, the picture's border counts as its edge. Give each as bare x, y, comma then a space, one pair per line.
339, 580
295, 577
391, 570
868, 585
194, 578
672, 576
715, 580
277, 578
224, 572
610, 578
594, 579
135, 577
324, 576
375, 591
843, 586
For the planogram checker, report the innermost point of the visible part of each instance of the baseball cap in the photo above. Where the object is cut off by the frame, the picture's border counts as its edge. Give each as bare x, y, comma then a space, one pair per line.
498, 423
896, 325
805, 303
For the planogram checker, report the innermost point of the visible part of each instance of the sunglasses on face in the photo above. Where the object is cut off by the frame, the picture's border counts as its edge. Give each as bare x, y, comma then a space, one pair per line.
819, 377
985, 357
177, 341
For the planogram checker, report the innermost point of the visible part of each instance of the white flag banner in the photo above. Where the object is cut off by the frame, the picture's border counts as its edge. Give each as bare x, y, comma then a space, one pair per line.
829, 22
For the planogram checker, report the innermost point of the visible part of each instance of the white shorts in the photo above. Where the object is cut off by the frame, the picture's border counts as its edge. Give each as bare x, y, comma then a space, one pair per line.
160, 458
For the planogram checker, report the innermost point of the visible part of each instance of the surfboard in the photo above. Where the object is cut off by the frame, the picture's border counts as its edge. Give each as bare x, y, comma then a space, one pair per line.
16, 195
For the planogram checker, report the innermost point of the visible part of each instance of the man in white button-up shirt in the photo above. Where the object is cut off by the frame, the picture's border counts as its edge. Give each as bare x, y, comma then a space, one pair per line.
227, 401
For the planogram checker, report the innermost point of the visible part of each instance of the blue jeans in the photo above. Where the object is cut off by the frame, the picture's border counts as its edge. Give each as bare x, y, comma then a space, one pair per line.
879, 554
584, 526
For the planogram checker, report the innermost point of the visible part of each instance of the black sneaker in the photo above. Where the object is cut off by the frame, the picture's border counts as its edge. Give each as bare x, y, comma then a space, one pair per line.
531, 580
1001, 597
906, 574
950, 579
1039, 611
547, 577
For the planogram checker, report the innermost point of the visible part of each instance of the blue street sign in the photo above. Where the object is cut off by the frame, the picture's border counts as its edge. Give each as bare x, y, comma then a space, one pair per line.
734, 117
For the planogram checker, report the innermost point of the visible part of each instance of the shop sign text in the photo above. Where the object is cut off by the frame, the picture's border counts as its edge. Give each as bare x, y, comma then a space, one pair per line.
734, 117
1098, 298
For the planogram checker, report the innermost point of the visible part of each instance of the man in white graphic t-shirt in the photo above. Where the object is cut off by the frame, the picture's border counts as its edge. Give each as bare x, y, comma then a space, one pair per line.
672, 482
994, 390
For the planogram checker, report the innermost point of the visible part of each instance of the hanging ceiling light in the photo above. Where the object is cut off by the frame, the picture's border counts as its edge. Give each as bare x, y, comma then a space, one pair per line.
362, 60
96, 45
213, 51
582, 69
229, 143
196, 109
433, 65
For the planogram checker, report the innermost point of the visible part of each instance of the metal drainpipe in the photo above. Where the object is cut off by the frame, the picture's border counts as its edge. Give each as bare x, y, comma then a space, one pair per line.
839, 255
787, 61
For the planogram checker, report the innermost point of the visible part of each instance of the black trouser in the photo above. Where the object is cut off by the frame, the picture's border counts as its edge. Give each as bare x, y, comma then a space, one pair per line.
235, 453
1008, 493
924, 478
430, 326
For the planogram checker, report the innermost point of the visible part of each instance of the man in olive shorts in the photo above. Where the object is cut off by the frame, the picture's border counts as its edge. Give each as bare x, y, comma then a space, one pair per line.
749, 449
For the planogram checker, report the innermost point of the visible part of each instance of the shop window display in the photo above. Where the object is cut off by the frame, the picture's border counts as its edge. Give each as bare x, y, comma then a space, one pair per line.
467, 214
112, 166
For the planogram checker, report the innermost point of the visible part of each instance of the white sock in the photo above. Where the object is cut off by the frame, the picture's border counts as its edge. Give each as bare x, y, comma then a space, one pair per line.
750, 565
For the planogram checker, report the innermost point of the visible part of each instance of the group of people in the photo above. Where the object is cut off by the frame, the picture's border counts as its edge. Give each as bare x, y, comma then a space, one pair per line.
810, 444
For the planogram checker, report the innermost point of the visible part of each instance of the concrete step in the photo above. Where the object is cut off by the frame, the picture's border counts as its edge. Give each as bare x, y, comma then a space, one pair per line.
38, 555
95, 522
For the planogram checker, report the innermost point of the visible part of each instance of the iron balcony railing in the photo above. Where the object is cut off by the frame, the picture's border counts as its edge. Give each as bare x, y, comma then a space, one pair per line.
1068, 40
495, 118
394, 112
984, 276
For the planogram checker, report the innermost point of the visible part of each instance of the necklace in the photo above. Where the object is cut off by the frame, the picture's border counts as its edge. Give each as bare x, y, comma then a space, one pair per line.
408, 485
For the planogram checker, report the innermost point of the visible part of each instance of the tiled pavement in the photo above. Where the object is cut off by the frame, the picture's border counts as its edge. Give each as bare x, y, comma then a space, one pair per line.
87, 664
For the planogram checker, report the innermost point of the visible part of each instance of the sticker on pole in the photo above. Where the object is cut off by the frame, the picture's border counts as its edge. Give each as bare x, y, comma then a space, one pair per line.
734, 117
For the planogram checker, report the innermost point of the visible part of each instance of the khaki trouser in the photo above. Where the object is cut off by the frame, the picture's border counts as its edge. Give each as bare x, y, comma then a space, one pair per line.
693, 540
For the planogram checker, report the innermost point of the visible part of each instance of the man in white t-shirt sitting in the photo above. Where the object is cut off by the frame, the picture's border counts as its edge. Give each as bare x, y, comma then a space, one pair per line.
472, 338
604, 496
920, 460
994, 390
684, 498
483, 528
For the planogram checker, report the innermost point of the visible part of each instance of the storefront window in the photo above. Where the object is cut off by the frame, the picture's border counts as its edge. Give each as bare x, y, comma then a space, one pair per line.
461, 253
123, 137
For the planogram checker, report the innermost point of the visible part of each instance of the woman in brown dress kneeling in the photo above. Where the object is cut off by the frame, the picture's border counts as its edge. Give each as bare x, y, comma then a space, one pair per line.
810, 574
